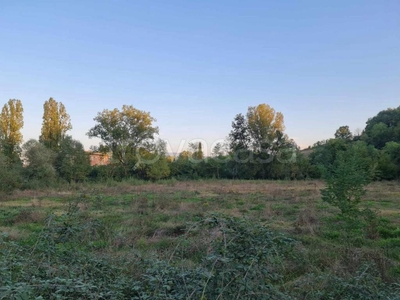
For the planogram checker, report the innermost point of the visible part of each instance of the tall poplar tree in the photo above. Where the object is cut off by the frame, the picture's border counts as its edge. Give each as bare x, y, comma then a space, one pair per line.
56, 123
265, 127
11, 123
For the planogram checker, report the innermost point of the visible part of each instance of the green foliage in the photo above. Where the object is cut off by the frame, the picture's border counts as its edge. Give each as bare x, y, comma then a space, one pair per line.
241, 164
56, 123
11, 123
72, 162
367, 155
54, 268
123, 132
49, 270
149, 245
157, 168
301, 168
239, 137
383, 128
389, 161
265, 128
343, 133
345, 182
366, 284
10, 174
258, 147
152, 162
183, 168
40, 163
325, 154
247, 261
197, 151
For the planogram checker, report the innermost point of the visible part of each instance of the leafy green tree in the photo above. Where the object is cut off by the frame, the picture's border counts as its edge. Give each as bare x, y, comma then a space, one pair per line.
185, 155
379, 135
387, 169
196, 150
200, 154
301, 168
265, 127
72, 162
345, 182
239, 137
218, 150
123, 132
10, 174
255, 141
56, 123
344, 133
11, 123
157, 170
326, 153
153, 163
218, 161
240, 165
368, 156
39, 163
383, 128
320, 143
393, 149
182, 167
389, 161
283, 166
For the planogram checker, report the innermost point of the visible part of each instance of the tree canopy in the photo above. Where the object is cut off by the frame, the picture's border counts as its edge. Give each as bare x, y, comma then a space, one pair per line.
256, 148
124, 130
40, 162
239, 137
72, 162
11, 123
383, 128
344, 133
265, 126
56, 123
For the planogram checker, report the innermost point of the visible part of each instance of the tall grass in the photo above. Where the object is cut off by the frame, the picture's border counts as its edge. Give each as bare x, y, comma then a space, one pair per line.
196, 240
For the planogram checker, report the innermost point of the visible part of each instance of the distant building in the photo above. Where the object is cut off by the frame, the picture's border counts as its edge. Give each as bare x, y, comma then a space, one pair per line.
99, 159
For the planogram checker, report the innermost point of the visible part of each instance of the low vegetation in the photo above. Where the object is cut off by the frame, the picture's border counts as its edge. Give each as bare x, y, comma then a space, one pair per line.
215, 239
70, 230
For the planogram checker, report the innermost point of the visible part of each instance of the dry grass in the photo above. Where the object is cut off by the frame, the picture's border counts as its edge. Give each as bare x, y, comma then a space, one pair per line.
14, 233
156, 219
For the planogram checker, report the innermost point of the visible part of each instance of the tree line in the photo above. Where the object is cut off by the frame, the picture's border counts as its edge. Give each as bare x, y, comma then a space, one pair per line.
256, 148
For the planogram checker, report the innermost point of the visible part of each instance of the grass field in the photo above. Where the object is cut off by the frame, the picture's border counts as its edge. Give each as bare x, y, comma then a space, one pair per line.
198, 240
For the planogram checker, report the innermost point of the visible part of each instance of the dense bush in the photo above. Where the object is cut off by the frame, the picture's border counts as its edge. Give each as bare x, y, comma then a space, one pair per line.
10, 174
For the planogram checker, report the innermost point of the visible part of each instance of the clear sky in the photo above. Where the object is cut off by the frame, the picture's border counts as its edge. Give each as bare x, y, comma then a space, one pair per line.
194, 65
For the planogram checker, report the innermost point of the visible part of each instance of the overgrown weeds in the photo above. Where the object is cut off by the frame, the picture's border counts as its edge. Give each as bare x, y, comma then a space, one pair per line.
195, 243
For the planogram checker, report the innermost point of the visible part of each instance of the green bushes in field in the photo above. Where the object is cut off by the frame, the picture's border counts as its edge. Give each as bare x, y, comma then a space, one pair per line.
244, 260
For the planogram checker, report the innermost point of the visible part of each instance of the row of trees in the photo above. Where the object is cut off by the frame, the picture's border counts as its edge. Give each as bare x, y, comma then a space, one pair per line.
377, 147
39, 162
56, 122
57, 156
256, 148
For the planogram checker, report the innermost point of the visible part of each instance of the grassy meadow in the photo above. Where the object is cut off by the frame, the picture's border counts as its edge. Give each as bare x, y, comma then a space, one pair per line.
215, 239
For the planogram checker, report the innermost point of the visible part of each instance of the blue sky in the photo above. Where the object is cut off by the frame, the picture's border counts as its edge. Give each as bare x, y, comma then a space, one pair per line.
194, 65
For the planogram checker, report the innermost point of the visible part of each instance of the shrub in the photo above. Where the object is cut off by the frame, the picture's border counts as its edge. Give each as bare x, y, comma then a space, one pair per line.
345, 182
10, 174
